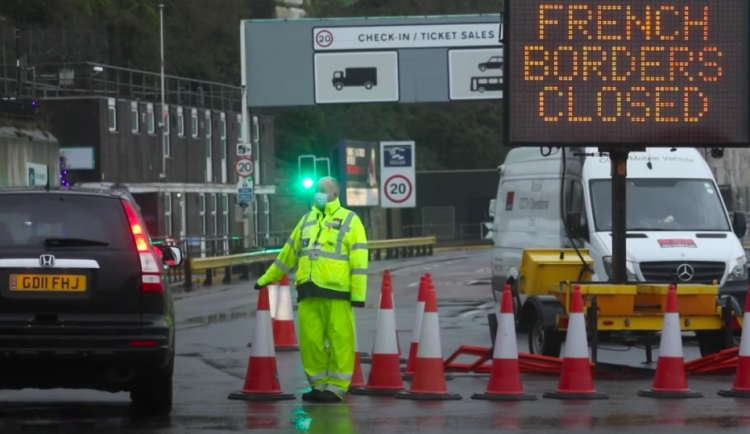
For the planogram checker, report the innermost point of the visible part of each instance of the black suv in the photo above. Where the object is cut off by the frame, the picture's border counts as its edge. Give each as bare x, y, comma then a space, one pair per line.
83, 303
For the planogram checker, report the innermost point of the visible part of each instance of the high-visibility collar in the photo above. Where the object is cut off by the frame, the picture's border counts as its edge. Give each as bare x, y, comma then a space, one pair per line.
330, 208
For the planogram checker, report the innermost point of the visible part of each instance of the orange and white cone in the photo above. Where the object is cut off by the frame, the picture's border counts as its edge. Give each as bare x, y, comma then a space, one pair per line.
670, 380
418, 315
576, 380
741, 387
505, 376
429, 375
385, 370
284, 334
262, 379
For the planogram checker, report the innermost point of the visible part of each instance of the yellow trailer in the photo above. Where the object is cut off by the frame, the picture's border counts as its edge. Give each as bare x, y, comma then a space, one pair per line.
629, 312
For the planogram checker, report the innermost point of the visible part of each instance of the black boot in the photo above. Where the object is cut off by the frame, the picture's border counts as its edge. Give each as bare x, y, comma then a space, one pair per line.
311, 395
327, 396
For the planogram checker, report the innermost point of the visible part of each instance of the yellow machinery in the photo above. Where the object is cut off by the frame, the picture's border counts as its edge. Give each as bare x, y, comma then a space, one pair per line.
547, 277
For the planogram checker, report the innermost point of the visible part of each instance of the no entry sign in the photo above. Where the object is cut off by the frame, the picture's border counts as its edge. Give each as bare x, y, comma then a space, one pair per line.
397, 167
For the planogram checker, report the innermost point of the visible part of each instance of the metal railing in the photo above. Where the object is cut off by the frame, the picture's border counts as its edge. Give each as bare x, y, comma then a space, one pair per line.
257, 262
54, 80
448, 232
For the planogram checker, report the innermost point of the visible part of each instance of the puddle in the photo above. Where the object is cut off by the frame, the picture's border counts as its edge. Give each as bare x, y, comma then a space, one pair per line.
481, 282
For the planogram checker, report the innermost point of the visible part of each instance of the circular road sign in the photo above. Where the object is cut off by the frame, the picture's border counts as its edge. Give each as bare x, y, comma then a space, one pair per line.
398, 189
244, 167
323, 39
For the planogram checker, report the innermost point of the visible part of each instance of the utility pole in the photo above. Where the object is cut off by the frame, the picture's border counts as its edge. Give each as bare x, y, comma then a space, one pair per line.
18, 49
163, 98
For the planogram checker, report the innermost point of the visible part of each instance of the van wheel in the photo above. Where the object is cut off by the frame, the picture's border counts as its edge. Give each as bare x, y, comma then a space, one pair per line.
152, 392
544, 340
711, 342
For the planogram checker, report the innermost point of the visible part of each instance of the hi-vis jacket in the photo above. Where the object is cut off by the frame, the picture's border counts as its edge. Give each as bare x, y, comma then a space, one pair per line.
330, 249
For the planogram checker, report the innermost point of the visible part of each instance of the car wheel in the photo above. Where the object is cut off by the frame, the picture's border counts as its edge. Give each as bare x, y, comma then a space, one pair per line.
152, 392
482, 68
481, 90
339, 86
543, 341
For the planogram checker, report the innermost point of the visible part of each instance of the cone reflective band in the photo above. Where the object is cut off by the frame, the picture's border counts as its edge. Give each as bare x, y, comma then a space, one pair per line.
262, 379
576, 380
273, 297
385, 369
741, 387
418, 315
670, 380
284, 334
505, 375
428, 383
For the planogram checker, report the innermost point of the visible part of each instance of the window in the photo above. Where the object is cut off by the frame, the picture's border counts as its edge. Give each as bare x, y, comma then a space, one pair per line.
223, 139
167, 214
180, 122
165, 130
214, 223
194, 123
209, 146
225, 213
112, 114
574, 200
150, 124
202, 213
26, 221
134, 121
662, 204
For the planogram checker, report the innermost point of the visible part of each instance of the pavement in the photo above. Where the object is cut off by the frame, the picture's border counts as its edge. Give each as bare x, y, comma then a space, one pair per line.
215, 325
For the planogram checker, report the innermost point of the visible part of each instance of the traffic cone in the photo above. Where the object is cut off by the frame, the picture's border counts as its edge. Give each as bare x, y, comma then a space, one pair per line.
576, 381
429, 376
385, 370
262, 379
358, 380
387, 276
670, 380
284, 335
505, 376
741, 388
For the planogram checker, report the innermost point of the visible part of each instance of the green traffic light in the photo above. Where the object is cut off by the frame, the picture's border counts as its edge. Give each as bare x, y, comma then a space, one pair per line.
307, 183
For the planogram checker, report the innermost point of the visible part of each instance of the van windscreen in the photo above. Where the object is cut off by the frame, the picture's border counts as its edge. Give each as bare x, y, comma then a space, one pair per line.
660, 204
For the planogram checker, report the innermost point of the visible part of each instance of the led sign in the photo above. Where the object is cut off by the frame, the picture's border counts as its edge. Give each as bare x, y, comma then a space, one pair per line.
629, 72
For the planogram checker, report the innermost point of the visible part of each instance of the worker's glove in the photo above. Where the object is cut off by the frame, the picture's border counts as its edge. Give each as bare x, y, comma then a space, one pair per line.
256, 287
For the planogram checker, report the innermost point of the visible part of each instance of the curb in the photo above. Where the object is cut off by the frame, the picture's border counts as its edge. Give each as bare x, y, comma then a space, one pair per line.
459, 248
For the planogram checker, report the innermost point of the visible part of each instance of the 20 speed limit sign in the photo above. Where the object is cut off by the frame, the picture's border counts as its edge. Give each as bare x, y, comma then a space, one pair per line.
398, 189
244, 167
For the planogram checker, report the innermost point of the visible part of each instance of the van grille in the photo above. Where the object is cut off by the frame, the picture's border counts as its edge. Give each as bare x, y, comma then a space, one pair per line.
703, 272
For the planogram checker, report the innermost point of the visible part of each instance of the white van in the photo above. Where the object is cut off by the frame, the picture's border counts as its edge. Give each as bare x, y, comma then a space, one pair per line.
678, 226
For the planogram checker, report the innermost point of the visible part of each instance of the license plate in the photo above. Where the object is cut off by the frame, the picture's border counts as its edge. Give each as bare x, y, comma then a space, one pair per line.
48, 282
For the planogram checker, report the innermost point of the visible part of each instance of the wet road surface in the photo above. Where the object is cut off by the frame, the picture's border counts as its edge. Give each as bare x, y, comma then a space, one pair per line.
214, 327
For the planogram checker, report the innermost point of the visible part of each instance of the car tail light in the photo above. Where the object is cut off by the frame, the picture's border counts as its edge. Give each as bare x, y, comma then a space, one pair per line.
151, 280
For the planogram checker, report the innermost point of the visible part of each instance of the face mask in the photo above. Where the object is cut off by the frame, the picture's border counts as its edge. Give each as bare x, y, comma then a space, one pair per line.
321, 199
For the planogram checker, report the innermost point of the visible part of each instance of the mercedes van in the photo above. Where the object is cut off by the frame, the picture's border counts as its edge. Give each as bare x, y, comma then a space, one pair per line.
678, 225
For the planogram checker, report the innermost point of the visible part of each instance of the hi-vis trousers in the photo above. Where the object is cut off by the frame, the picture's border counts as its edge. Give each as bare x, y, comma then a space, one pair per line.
322, 319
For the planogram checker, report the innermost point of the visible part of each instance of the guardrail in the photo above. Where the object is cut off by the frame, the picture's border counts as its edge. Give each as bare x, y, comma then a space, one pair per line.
256, 263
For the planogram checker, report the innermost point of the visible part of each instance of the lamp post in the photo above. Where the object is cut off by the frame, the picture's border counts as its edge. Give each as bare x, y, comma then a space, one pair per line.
163, 173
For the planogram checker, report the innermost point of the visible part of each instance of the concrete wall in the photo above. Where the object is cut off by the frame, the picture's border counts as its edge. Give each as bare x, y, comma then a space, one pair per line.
18, 147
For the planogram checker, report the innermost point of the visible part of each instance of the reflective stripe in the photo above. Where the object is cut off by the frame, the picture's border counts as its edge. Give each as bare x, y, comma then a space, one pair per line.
333, 225
321, 387
340, 376
290, 243
338, 391
359, 271
282, 266
317, 377
359, 246
344, 230
321, 254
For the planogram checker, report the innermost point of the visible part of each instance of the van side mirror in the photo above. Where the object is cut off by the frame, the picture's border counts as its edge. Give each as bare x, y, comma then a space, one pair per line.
573, 220
739, 224
172, 256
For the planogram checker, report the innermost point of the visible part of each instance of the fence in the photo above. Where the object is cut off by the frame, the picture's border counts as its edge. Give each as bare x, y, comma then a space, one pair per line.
447, 232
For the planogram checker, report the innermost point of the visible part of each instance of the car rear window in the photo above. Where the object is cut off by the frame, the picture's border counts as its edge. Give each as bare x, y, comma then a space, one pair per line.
29, 220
